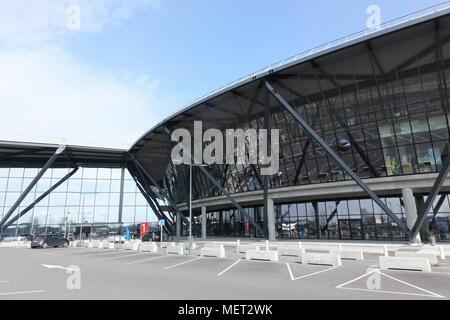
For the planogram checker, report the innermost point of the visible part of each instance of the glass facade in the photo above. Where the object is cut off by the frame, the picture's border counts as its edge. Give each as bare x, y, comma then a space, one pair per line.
384, 111
358, 219
90, 197
231, 223
413, 141
382, 104
347, 220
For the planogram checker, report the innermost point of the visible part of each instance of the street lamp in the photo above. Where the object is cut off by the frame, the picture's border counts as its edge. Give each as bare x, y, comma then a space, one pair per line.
65, 224
70, 225
82, 219
190, 202
82, 216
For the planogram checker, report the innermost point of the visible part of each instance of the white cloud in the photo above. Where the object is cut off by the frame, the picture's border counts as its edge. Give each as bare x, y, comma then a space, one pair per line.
30, 22
47, 93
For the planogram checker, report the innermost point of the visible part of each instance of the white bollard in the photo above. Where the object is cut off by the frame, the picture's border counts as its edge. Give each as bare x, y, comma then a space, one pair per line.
441, 251
267, 245
300, 245
340, 247
386, 252
217, 251
405, 263
330, 259
261, 255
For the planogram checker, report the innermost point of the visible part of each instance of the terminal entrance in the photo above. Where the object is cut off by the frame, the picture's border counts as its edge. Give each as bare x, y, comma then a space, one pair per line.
351, 229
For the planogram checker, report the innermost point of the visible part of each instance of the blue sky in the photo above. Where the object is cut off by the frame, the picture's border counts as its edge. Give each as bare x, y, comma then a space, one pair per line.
134, 62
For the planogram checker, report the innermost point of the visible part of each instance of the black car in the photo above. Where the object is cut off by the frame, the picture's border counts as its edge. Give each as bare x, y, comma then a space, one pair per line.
49, 241
151, 237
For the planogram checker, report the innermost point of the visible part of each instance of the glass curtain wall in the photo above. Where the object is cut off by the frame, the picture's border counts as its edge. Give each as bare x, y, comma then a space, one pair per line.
232, 223
359, 219
381, 124
90, 197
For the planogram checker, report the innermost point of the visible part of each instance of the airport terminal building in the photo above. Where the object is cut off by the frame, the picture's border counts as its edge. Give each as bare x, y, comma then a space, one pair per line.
364, 126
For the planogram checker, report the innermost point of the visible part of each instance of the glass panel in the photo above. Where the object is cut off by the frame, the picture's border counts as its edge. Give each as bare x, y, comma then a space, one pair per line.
344, 227
420, 130
438, 128
387, 136
425, 157
391, 161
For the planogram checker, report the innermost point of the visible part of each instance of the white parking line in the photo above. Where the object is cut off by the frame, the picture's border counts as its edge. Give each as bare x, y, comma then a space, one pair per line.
71, 253
20, 292
411, 285
356, 279
123, 256
145, 260
290, 271
100, 254
308, 275
394, 292
65, 252
229, 268
429, 293
4, 281
180, 264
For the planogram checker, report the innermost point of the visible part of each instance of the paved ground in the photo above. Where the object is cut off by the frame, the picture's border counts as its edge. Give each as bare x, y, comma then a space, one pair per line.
108, 274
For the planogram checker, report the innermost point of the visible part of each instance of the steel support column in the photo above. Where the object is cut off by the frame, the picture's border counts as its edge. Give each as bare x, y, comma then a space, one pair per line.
150, 202
151, 197
204, 223
423, 212
122, 185
222, 189
331, 217
229, 197
266, 178
436, 210
424, 231
342, 123
40, 198
316, 214
341, 162
161, 191
24, 194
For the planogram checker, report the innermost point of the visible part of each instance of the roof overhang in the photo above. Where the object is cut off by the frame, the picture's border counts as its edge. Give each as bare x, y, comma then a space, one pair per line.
35, 155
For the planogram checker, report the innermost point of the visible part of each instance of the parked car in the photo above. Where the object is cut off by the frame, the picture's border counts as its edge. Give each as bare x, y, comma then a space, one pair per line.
151, 237
50, 241
27, 237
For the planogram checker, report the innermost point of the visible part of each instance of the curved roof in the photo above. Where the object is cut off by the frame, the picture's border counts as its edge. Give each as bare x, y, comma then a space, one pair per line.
327, 72
347, 41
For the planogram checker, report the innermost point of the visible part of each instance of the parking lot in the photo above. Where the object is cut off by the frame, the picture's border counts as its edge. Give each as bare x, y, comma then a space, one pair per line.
116, 274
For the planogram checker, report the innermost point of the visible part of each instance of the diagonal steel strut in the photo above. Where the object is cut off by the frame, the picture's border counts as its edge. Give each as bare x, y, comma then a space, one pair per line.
431, 197
149, 200
162, 192
222, 189
40, 198
341, 162
30, 187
